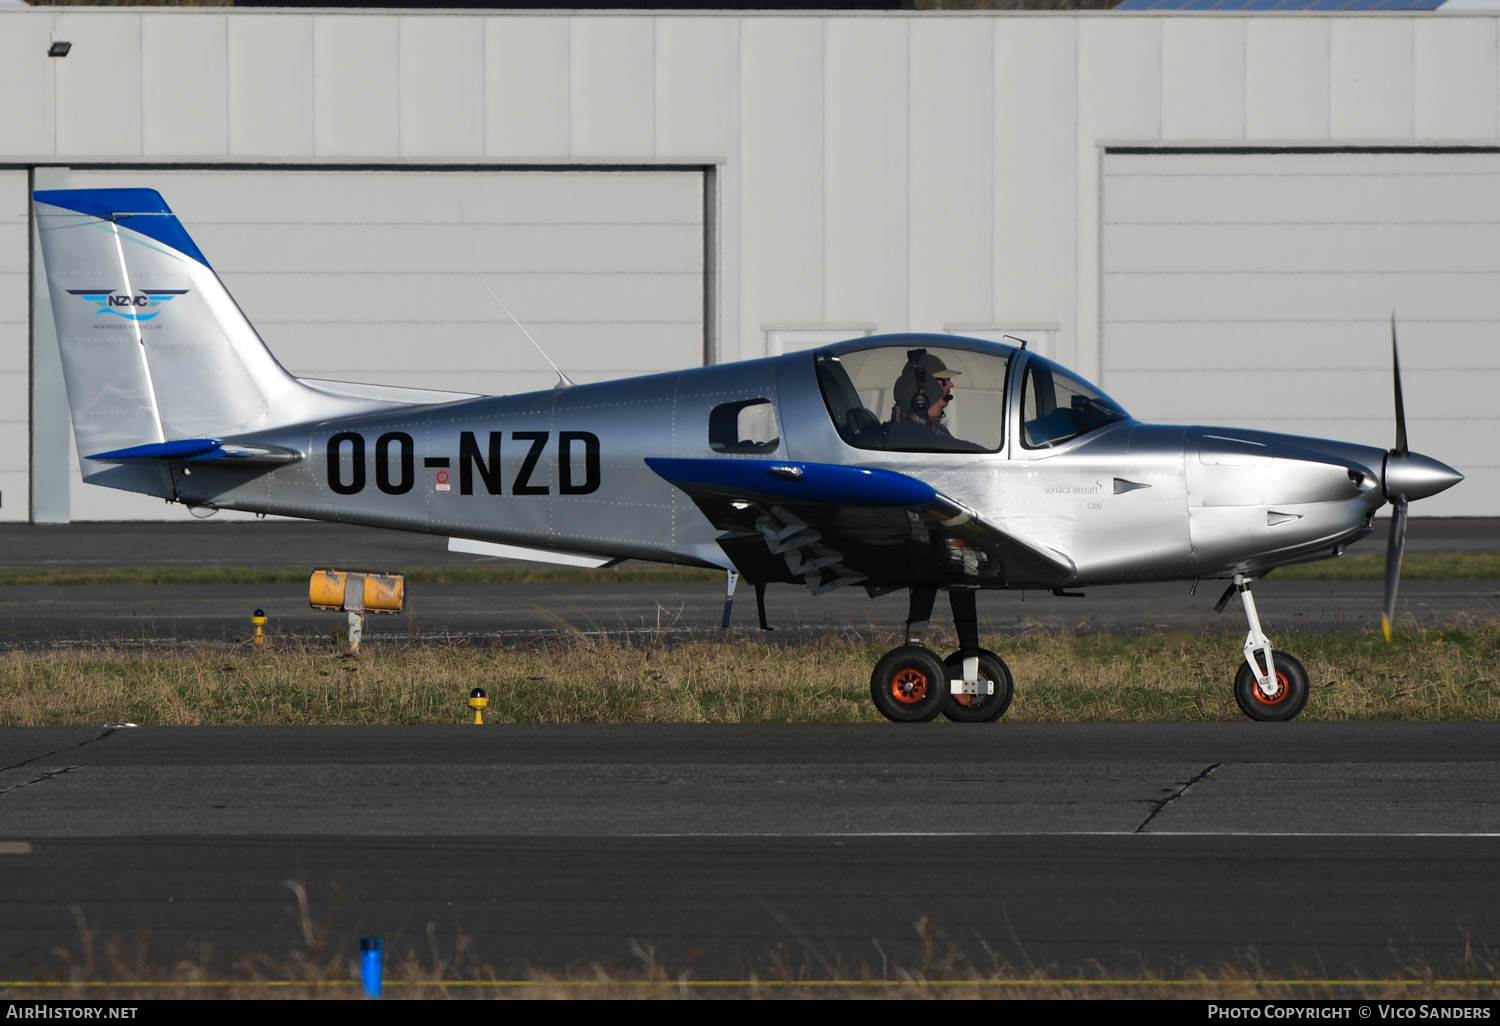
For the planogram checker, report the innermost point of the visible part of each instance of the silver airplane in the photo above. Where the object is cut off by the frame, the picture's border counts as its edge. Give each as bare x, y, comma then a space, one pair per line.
922, 462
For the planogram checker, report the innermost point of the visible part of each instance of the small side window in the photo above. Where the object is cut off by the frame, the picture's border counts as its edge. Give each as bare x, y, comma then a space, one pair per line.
748, 426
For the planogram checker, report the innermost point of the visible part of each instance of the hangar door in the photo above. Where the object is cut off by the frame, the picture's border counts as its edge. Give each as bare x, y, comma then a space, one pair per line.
377, 275
1256, 289
15, 378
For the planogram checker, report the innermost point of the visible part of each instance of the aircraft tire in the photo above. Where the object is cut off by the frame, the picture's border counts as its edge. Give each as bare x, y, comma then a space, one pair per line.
1290, 673
980, 708
909, 684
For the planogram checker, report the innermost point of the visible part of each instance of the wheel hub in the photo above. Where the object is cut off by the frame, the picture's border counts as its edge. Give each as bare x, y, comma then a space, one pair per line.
909, 686
1278, 691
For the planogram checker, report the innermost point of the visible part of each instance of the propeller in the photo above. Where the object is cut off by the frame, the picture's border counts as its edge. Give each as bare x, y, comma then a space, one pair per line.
1406, 476
1400, 449
1397, 540
1393, 547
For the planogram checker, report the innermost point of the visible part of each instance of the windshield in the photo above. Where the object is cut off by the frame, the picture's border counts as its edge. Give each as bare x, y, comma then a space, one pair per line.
910, 398
1057, 406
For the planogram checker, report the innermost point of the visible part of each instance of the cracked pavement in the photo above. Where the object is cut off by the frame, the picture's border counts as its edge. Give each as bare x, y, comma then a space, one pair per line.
683, 779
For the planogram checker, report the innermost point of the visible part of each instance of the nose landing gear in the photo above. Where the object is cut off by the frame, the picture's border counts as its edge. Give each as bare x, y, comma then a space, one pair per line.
1274, 694
912, 685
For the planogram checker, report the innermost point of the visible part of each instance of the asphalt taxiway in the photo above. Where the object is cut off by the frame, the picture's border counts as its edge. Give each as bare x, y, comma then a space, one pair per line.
1322, 850
35, 615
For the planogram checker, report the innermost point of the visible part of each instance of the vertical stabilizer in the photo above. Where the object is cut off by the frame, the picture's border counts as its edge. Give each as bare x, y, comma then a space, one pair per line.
154, 348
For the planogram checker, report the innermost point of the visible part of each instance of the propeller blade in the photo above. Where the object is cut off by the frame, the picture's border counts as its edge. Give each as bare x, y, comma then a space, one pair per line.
1401, 449
1393, 549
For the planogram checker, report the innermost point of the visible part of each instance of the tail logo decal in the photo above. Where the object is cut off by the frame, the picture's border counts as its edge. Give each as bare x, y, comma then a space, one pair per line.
130, 306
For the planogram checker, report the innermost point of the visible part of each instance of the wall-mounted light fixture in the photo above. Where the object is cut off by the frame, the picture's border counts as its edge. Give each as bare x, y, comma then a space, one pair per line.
59, 48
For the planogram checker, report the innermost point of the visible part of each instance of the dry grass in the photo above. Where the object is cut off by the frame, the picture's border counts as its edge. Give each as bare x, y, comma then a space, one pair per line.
320, 965
1432, 566
1233, 986
1433, 674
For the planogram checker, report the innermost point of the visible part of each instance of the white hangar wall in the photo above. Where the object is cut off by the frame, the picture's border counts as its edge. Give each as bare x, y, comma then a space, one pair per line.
859, 173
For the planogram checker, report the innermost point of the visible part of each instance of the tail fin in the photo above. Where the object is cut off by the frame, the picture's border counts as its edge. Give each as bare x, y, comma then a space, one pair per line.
154, 349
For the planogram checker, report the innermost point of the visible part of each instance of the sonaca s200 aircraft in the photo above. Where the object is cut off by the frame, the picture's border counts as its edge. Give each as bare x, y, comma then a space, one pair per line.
924, 462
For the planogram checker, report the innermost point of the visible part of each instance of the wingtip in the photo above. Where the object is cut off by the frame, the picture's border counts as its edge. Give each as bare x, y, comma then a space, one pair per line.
1385, 625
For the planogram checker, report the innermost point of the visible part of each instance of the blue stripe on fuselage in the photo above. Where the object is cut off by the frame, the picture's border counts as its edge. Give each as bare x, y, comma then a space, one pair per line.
820, 482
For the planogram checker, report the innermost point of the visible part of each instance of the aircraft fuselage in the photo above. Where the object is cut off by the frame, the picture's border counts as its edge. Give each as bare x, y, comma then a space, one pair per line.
563, 469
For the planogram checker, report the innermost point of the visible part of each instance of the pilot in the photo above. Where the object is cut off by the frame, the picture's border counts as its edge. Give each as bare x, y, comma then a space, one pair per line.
923, 393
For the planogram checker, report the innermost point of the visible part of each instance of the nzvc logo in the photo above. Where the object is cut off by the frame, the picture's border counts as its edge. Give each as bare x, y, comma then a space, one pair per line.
137, 306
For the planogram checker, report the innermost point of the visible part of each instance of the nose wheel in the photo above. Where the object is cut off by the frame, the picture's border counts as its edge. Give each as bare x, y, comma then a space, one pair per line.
1281, 698
1269, 695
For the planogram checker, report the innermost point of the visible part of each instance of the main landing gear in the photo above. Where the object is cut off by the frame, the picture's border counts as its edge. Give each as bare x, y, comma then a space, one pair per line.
1261, 694
911, 684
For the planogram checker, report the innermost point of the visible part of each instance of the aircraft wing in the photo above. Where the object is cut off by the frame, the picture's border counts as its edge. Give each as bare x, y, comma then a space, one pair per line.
829, 525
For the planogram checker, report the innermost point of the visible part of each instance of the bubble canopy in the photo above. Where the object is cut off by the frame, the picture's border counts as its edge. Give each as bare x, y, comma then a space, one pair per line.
938, 393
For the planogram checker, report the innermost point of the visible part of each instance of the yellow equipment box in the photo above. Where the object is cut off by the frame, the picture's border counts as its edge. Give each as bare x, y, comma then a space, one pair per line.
357, 592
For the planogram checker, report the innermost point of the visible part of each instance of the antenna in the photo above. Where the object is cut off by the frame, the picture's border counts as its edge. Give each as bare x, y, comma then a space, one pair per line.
563, 381
1014, 339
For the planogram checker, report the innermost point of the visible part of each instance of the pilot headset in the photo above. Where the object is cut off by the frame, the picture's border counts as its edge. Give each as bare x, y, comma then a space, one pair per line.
920, 401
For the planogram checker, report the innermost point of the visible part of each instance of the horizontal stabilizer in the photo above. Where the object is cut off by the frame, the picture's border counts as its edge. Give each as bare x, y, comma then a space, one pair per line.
200, 450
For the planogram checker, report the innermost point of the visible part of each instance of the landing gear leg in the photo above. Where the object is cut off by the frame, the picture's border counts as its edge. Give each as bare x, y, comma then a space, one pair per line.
729, 583
910, 683
760, 602
760, 605
980, 685
919, 614
1270, 685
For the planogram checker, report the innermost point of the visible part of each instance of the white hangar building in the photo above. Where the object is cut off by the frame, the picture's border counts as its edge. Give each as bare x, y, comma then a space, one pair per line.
1212, 215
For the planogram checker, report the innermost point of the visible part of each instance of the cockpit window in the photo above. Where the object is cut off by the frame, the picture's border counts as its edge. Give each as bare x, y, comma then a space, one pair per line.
916, 398
1056, 406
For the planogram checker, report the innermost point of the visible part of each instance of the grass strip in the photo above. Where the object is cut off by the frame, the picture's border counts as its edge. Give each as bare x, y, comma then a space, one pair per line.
1452, 566
1437, 566
648, 573
1443, 673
